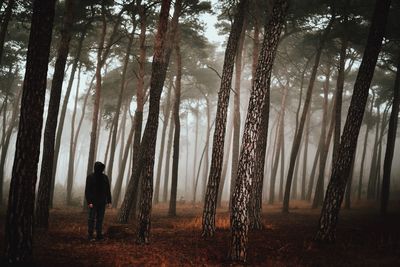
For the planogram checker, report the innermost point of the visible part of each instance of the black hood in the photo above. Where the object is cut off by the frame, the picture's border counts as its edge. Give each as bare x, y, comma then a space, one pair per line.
99, 167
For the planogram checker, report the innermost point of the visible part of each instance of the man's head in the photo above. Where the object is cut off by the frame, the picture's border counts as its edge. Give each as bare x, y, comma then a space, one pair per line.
99, 167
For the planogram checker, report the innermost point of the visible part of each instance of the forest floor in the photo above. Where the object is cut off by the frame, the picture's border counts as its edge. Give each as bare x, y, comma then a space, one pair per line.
363, 239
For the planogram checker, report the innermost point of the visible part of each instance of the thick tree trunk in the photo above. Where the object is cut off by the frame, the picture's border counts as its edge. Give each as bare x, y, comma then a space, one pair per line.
341, 167
307, 101
46, 172
208, 221
347, 202
259, 96
147, 148
19, 219
4, 25
175, 160
390, 143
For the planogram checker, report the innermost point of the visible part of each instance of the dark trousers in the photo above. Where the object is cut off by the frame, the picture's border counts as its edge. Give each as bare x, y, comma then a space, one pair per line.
96, 214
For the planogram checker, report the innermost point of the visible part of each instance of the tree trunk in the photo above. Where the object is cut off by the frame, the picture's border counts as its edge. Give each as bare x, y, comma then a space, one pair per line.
121, 170
70, 172
117, 112
319, 191
4, 25
258, 98
317, 158
339, 95
390, 143
148, 145
372, 170
128, 206
46, 172
97, 96
6, 143
347, 202
168, 159
208, 221
195, 148
207, 152
364, 152
19, 219
167, 112
236, 109
307, 101
225, 166
305, 159
279, 141
282, 164
112, 129
175, 160
341, 167
64, 109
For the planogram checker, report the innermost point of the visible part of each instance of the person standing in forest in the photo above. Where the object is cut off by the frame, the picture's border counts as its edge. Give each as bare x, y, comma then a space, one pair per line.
98, 196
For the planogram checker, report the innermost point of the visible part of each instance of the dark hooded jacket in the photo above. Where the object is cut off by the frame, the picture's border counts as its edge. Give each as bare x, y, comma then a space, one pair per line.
97, 190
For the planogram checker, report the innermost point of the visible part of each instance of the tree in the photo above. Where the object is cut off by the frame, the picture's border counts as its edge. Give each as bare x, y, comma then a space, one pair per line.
175, 160
208, 221
390, 144
4, 25
147, 148
19, 219
46, 171
246, 167
299, 132
341, 166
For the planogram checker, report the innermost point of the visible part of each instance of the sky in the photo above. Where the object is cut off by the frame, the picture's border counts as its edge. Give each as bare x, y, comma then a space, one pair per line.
211, 32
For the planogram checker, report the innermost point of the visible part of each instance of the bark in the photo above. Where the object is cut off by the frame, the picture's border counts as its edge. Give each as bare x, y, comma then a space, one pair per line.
108, 141
19, 218
367, 128
175, 160
128, 207
46, 171
282, 164
307, 101
347, 202
259, 96
313, 171
4, 25
341, 167
148, 145
279, 141
208, 221
390, 143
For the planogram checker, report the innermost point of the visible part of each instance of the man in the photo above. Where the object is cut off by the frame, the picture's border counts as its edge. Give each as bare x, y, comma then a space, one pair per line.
98, 195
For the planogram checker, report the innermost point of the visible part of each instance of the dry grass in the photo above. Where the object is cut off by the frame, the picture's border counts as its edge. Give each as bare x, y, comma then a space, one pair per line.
364, 239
